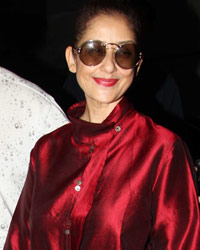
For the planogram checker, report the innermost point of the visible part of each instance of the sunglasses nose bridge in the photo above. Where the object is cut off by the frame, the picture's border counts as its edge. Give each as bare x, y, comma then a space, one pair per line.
108, 63
112, 46
111, 49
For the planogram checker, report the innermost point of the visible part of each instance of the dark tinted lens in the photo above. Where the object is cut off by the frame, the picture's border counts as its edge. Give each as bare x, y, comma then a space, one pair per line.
92, 53
127, 56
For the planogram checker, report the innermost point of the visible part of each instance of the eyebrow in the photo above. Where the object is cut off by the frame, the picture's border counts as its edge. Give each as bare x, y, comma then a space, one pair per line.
124, 42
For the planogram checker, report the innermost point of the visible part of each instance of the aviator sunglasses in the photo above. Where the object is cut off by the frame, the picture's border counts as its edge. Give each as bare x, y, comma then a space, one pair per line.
92, 53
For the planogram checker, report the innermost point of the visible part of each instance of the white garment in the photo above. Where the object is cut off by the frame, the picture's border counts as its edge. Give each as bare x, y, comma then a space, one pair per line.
26, 113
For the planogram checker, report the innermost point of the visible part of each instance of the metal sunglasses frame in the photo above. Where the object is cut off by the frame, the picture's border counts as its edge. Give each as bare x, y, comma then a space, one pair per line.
78, 50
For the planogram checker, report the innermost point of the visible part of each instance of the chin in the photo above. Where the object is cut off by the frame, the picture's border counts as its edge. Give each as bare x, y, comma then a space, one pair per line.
106, 100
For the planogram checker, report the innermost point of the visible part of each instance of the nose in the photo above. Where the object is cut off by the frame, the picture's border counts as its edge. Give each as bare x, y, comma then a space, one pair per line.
108, 64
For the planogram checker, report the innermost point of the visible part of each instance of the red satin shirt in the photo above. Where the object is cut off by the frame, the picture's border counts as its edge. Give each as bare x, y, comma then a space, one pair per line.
124, 184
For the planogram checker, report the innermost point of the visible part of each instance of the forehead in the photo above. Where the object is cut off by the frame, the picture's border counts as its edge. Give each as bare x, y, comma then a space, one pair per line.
108, 28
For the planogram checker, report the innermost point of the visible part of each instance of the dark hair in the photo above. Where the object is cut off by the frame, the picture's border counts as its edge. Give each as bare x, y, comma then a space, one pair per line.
94, 8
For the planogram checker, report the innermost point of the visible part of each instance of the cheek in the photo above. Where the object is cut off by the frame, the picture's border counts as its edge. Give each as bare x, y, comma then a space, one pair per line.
129, 77
84, 73
80, 73
83, 76
80, 80
82, 70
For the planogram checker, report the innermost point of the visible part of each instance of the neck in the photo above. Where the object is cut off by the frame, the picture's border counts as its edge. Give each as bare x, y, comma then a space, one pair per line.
97, 112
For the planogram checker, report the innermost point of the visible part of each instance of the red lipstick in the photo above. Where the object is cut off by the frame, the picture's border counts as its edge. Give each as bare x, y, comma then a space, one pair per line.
106, 82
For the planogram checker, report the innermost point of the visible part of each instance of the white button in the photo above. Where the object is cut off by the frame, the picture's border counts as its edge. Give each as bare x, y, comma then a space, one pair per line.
79, 182
67, 231
118, 128
2, 226
77, 188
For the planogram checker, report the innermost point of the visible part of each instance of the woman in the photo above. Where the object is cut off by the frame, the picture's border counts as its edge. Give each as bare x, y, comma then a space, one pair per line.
112, 178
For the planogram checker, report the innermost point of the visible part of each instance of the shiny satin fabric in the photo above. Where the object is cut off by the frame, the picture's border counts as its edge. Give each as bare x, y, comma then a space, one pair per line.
125, 184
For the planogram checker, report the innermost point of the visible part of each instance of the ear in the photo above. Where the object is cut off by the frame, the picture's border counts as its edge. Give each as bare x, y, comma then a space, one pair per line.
70, 58
139, 66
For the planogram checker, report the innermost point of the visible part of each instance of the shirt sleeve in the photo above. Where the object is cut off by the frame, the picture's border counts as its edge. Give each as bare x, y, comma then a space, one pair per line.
175, 210
18, 237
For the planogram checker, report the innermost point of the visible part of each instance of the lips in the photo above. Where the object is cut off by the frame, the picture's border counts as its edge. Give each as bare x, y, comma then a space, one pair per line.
105, 81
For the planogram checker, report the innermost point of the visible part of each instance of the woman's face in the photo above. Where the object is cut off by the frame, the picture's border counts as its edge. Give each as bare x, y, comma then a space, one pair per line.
106, 82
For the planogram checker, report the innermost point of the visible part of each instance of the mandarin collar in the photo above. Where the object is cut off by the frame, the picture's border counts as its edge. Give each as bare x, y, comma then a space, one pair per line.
87, 131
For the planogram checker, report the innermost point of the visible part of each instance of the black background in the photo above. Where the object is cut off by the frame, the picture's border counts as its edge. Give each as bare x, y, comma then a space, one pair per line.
34, 35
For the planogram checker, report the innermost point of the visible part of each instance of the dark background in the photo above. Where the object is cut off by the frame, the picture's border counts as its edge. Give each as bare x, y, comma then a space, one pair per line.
35, 33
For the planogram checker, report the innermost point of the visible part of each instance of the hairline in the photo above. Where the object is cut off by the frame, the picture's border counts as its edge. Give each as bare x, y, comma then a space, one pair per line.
111, 13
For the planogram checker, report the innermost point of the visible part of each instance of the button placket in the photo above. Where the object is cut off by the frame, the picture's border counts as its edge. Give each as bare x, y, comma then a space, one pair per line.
67, 233
78, 185
91, 148
68, 225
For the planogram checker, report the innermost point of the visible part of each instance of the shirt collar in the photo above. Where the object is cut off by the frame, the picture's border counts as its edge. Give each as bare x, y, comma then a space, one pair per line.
86, 130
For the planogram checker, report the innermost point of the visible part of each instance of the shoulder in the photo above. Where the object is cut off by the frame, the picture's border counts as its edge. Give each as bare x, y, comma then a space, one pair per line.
51, 143
26, 106
58, 136
148, 130
17, 93
15, 84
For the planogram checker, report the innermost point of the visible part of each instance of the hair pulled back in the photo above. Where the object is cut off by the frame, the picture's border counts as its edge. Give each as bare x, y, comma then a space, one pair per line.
94, 8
